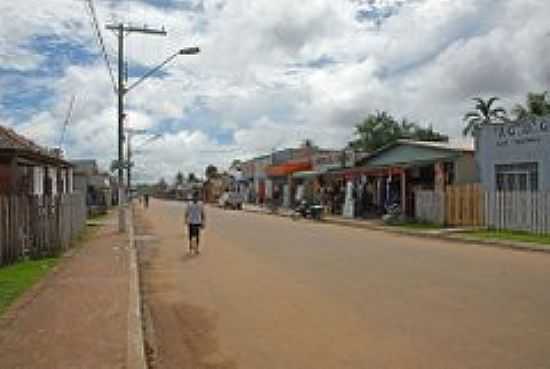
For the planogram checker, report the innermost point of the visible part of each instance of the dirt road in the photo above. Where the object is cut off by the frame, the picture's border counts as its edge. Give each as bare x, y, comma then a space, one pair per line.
269, 293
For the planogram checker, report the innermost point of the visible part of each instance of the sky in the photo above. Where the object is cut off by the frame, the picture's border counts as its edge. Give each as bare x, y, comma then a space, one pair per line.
270, 73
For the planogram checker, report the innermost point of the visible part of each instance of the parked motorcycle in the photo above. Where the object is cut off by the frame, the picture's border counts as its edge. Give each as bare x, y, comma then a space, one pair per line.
308, 211
393, 214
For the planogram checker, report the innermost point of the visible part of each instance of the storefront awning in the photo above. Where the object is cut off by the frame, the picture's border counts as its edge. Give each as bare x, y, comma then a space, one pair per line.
306, 174
287, 169
360, 171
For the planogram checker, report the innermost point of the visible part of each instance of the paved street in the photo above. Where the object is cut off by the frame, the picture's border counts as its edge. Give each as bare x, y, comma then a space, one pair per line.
271, 293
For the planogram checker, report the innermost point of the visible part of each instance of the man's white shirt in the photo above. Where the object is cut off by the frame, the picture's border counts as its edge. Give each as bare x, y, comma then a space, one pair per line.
194, 213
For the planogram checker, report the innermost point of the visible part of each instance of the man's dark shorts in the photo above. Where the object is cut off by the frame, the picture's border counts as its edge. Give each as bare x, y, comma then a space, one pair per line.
194, 231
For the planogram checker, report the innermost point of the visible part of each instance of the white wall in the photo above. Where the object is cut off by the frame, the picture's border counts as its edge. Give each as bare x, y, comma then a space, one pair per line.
513, 143
38, 181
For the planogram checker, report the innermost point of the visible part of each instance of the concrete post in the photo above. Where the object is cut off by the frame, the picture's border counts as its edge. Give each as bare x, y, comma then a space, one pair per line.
404, 192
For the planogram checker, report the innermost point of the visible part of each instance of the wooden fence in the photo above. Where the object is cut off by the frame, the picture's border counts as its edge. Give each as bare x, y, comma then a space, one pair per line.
430, 206
39, 226
465, 205
471, 206
519, 211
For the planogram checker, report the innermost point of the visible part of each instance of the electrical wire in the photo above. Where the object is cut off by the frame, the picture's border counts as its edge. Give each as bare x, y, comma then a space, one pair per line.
67, 120
97, 31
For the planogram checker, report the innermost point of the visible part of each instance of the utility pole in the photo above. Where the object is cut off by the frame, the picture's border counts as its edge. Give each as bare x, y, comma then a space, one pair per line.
130, 132
129, 159
121, 31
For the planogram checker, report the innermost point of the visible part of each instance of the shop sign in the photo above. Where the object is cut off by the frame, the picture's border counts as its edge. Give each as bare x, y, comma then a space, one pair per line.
326, 161
525, 132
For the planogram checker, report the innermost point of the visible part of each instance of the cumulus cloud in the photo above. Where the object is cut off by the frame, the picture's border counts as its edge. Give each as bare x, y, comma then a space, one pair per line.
270, 73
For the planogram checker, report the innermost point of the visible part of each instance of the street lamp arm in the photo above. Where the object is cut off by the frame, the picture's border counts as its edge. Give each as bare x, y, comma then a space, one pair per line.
186, 51
151, 72
150, 139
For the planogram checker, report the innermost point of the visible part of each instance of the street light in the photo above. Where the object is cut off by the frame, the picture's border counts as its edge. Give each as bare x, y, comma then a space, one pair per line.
130, 152
190, 51
121, 30
185, 51
122, 91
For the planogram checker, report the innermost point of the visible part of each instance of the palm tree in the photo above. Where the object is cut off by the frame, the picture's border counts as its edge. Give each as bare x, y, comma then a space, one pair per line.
179, 179
484, 114
537, 105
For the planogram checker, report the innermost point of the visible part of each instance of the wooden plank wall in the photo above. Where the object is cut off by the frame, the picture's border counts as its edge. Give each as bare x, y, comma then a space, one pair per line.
39, 226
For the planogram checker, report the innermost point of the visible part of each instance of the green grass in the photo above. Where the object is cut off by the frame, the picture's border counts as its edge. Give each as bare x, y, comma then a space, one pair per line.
420, 226
16, 279
416, 225
510, 236
100, 217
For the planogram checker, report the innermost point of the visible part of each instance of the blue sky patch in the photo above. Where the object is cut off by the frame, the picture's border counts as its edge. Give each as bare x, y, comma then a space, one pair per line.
31, 91
187, 5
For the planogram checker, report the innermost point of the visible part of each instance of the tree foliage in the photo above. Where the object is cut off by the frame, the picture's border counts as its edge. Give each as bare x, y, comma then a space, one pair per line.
180, 179
381, 129
162, 185
211, 171
537, 105
192, 178
483, 114
308, 142
236, 163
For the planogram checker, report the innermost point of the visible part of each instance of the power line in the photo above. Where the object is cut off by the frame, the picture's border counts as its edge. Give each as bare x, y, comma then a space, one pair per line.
101, 43
67, 120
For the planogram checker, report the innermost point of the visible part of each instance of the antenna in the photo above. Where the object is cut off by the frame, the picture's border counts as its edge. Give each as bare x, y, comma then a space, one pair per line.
67, 121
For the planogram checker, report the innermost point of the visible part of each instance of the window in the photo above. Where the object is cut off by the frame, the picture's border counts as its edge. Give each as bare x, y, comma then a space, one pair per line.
517, 177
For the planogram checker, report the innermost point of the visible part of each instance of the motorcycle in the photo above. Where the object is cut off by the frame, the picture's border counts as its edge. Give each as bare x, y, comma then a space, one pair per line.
308, 211
393, 214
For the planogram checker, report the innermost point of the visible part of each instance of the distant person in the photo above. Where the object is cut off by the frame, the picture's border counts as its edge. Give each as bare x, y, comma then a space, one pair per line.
146, 200
195, 219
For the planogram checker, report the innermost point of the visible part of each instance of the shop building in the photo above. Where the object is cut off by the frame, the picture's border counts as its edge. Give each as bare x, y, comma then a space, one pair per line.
516, 156
394, 173
309, 184
260, 178
283, 175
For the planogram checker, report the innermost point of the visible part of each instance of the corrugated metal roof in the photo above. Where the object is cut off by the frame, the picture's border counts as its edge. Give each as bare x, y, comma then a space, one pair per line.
12, 141
406, 152
455, 145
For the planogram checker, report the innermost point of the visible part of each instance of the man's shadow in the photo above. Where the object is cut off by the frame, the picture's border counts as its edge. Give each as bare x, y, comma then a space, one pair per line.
187, 256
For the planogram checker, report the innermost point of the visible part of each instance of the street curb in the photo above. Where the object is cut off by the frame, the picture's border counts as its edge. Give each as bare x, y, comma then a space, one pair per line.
446, 237
136, 344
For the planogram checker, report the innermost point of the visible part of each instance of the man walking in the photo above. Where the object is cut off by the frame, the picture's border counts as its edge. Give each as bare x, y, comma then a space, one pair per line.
195, 219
